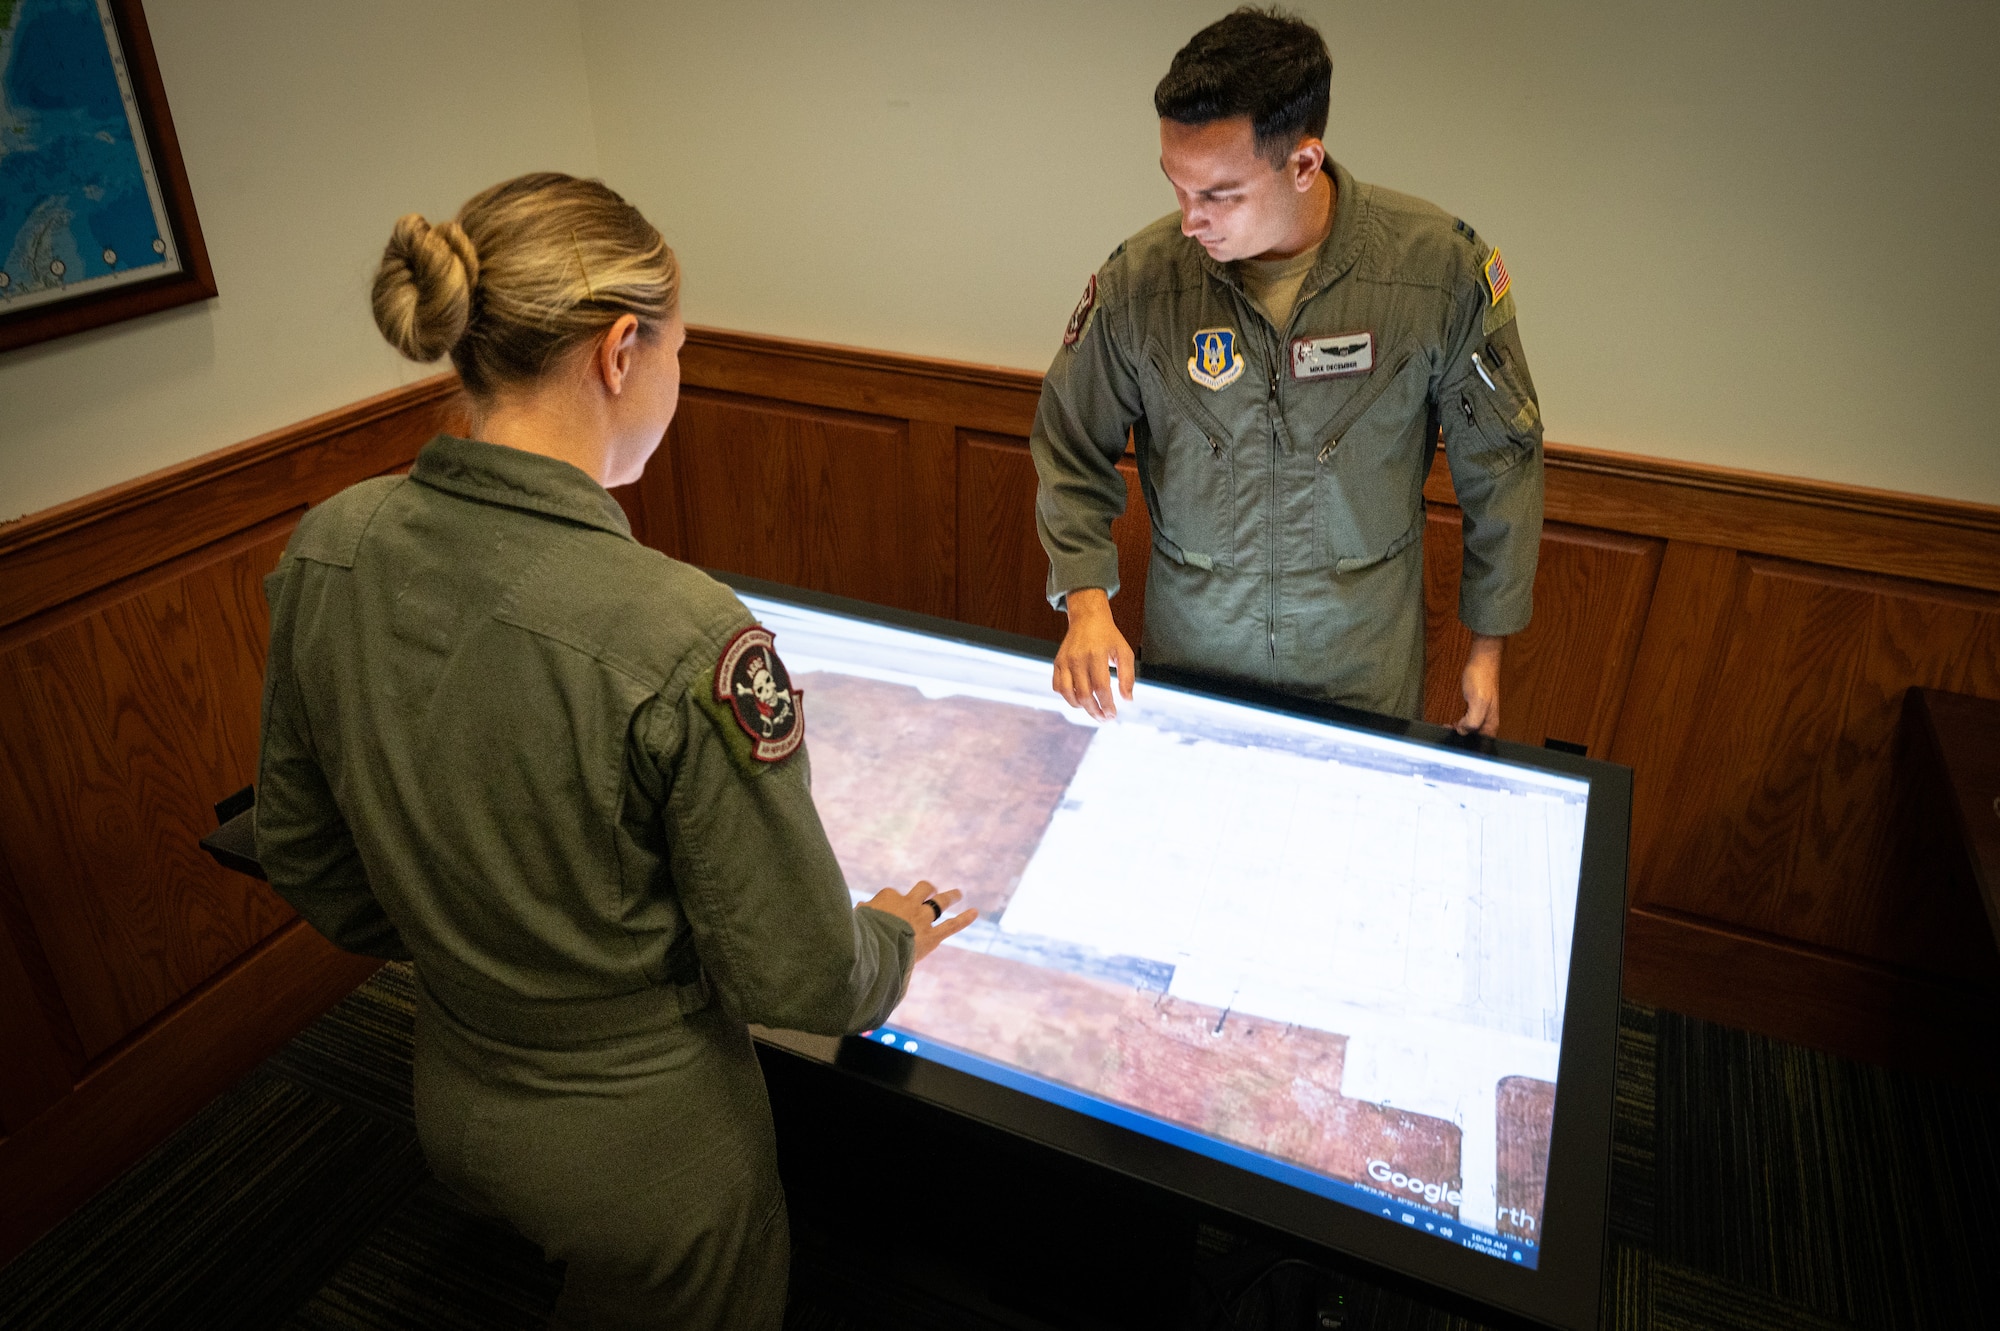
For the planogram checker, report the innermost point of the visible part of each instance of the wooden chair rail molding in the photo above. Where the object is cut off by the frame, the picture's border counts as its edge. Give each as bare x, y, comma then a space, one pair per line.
1742, 641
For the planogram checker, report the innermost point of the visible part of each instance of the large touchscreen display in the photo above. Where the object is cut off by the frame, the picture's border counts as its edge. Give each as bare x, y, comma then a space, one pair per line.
1324, 955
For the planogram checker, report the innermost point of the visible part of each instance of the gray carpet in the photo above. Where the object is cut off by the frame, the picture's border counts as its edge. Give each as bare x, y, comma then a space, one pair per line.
1755, 1185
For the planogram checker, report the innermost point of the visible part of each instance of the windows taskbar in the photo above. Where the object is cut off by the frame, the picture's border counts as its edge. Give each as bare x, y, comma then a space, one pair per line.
1396, 1209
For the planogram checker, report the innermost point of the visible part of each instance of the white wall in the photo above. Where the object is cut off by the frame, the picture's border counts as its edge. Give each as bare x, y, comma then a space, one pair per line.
1761, 235
306, 129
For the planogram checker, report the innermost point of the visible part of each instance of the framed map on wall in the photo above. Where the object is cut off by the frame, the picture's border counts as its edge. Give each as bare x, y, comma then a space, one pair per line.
97, 223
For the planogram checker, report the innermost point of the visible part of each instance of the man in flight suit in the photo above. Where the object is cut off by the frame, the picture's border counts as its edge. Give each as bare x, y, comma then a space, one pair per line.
1282, 353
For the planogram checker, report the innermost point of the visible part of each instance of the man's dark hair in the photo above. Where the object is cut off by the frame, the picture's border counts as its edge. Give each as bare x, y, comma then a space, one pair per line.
1261, 63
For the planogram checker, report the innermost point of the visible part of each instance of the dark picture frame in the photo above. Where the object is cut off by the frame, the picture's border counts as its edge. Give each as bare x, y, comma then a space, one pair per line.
196, 279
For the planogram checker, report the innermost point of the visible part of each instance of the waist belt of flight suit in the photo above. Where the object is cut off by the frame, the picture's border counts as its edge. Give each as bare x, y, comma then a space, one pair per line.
557, 1023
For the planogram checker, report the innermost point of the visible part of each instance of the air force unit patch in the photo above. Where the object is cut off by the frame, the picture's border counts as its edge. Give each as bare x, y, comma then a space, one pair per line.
1216, 363
753, 682
1332, 357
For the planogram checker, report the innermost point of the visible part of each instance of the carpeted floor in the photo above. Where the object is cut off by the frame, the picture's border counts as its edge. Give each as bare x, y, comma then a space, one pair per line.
1755, 1185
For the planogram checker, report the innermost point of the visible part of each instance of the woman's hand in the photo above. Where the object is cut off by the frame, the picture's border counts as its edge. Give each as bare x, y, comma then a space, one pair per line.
914, 907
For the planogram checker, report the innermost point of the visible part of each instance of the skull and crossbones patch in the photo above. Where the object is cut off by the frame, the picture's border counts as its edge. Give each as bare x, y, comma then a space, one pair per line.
753, 681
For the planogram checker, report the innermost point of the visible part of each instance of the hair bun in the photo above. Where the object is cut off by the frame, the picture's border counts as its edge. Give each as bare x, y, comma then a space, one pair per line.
423, 290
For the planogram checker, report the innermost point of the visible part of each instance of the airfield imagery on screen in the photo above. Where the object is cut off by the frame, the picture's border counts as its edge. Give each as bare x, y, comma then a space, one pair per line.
1331, 958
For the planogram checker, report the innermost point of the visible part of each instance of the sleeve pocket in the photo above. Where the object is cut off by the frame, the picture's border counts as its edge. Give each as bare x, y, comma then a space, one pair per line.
1505, 421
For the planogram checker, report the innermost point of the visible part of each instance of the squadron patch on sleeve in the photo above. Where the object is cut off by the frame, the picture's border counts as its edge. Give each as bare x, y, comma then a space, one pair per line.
1079, 319
753, 681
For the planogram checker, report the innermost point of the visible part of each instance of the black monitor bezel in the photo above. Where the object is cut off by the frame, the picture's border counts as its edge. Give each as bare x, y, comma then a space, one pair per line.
1564, 1290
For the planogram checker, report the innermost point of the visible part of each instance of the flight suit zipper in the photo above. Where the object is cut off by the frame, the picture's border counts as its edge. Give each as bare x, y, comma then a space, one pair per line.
1279, 356
1211, 428
1216, 437
1360, 406
1274, 532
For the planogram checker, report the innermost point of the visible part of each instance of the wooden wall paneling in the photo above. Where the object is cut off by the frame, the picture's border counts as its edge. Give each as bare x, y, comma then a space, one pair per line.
1948, 774
1003, 571
37, 1066
1597, 585
1779, 816
931, 454
975, 397
653, 503
1843, 1004
1690, 608
30, 962
1816, 522
132, 636
632, 499
1869, 531
196, 1049
831, 501
76, 548
1564, 676
123, 726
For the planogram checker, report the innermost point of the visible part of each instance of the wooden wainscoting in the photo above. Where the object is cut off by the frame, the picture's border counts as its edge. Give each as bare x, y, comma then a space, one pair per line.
137, 977
1743, 642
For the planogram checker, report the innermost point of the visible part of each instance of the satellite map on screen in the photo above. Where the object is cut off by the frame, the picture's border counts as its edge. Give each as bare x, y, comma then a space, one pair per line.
80, 209
1334, 958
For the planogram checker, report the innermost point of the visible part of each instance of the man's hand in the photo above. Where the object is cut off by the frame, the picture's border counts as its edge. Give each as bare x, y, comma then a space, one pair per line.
1481, 683
913, 908
1089, 650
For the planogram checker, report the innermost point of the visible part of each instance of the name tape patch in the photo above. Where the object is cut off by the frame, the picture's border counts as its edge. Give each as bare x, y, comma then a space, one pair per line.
755, 684
1333, 357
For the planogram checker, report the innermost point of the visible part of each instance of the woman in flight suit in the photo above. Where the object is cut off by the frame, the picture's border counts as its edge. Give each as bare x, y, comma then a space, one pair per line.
566, 776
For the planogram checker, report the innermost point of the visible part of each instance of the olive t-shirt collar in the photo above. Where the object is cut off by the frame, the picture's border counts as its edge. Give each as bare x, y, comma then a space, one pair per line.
495, 474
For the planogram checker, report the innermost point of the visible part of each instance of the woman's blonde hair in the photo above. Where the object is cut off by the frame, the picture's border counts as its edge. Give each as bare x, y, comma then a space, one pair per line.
528, 270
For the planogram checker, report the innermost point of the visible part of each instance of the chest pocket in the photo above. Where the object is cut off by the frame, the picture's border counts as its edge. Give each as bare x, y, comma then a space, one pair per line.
1188, 471
1368, 468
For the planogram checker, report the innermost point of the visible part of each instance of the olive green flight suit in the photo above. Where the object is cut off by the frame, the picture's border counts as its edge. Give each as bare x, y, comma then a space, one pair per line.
1284, 468
492, 744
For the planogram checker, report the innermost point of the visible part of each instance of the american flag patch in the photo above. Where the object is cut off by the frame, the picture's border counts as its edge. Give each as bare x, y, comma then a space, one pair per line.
1497, 280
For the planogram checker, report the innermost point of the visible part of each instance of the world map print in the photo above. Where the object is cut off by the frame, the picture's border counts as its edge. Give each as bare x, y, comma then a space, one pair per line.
80, 208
